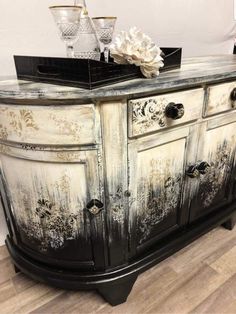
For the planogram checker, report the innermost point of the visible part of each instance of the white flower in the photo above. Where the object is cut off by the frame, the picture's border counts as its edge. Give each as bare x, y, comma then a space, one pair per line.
135, 47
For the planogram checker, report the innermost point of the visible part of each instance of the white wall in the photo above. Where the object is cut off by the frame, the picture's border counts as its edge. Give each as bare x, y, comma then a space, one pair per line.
199, 26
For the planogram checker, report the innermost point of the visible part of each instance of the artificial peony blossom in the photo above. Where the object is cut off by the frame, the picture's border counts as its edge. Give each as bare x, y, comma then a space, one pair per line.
135, 47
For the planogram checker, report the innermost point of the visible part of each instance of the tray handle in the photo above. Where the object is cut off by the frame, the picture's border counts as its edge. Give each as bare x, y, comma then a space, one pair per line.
47, 70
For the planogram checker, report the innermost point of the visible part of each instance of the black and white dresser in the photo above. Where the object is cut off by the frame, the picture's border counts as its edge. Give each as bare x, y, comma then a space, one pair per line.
98, 186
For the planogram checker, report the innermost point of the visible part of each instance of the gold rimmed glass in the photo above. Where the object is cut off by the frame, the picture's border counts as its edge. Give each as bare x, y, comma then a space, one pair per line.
105, 28
67, 19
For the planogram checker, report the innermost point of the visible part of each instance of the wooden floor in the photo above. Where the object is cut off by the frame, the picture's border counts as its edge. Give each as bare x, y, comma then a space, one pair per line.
201, 278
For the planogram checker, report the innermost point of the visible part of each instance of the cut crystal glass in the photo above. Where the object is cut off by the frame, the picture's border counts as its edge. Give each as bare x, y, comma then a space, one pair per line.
67, 19
87, 45
105, 27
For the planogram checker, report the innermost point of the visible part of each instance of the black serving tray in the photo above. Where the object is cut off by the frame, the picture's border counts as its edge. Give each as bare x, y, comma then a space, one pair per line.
85, 73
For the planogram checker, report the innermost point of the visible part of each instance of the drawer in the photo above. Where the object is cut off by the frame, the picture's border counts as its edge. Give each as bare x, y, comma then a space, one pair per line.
44, 125
219, 98
164, 111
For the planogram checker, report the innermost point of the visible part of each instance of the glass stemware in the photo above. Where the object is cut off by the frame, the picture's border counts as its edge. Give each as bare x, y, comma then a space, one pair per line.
105, 27
67, 19
87, 45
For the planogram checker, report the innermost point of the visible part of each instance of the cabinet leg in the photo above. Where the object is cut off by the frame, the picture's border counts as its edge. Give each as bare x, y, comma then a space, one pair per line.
230, 224
17, 270
117, 292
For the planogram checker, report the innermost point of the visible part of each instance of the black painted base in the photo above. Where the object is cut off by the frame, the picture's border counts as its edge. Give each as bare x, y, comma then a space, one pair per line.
115, 285
230, 223
117, 293
17, 270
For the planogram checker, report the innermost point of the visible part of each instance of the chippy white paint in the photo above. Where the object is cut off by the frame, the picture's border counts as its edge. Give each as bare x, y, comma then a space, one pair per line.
51, 172
217, 146
114, 132
218, 98
148, 114
44, 193
158, 179
54, 125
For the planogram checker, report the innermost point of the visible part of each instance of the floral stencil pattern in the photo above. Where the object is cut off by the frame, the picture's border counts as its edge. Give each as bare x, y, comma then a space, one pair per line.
148, 113
217, 176
18, 122
158, 204
3, 132
53, 227
67, 127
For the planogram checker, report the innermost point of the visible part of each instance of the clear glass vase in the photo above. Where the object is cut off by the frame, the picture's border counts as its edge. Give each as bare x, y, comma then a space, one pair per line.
87, 44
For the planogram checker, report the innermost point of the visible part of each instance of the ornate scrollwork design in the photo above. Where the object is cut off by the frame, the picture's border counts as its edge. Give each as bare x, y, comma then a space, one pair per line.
53, 227
149, 112
217, 175
158, 204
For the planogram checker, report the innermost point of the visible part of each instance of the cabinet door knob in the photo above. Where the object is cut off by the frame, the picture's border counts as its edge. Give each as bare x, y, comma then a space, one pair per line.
174, 111
199, 168
127, 193
233, 97
95, 206
193, 172
203, 167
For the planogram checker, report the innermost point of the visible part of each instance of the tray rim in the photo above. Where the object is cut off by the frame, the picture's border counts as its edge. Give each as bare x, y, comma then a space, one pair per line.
89, 83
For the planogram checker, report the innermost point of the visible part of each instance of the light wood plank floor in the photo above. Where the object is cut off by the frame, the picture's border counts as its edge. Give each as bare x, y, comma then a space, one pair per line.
201, 278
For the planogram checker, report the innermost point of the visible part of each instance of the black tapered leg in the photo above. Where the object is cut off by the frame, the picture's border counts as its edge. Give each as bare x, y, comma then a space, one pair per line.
17, 270
117, 293
230, 223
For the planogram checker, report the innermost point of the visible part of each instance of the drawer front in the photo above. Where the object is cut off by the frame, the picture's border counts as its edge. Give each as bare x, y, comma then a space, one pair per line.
218, 98
56, 125
164, 111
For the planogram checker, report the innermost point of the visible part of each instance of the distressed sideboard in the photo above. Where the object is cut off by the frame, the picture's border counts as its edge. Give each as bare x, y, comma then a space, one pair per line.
97, 186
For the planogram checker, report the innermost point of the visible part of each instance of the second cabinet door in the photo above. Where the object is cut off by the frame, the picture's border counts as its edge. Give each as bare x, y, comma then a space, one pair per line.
213, 188
157, 172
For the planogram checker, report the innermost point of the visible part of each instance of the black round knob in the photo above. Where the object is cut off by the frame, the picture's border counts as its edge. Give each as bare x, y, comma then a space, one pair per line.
95, 206
233, 95
127, 193
193, 172
203, 167
174, 111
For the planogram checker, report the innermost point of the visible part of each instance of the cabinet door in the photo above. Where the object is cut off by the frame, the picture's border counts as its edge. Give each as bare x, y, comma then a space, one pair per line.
56, 203
157, 178
217, 150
